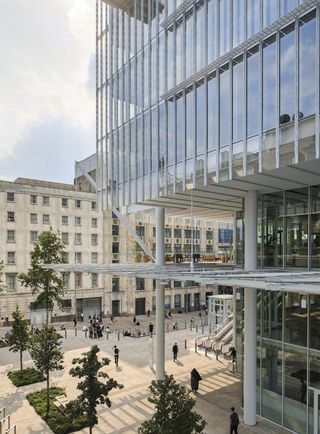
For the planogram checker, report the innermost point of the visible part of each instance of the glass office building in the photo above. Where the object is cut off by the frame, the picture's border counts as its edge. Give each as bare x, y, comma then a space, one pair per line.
213, 105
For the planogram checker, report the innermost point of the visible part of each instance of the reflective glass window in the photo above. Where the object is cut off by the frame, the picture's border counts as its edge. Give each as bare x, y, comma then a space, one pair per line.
201, 37
314, 336
270, 11
162, 136
237, 159
297, 241
212, 30
224, 106
154, 133
139, 145
238, 21
181, 136
273, 230
212, 112
272, 315
180, 52
287, 74
189, 44
147, 144
295, 318
253, 155
190, 119
171, 131
315, 241
224, 163
307, 65
224, 18
201, 119
286, 6
269, 85
162, 56
133, 150
212, 167
253, 76
237, 99
253, 17
171, 57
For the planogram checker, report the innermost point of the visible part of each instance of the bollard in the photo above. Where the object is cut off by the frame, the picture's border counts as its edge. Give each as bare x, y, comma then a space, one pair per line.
86, 333
118, 336
65, 333
195, 347
185, 344
202, 329
107, 335
76, 332
185, 324
167, 327
205, 351
190, 325
197, 328
210, 329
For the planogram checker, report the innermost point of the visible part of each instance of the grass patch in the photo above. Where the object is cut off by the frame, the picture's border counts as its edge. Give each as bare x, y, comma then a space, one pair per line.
59, 422
3, 343
26, 376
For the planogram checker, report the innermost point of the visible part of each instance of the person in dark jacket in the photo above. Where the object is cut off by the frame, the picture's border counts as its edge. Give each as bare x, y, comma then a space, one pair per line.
195, 378
175, 350
234, 422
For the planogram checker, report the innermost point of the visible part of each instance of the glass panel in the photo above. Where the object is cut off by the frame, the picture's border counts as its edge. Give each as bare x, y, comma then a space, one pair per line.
154, 134
297, 201
295, 316
314, 381
200, 172
179, 178
286, 149
314, 317
171, 131
253, 17
307, 65
253, 155
286, 6
287, 74
270, 11
253, 118
162, 136
238, 21
190, 119
315, 199
212, 167
315, 240
201, 38
272, 315
239, 238
269, 85
297, 241
271, 381
180, 51
295, 389
212, 113
273, 230
189, 45
146, 154
238, 100
211, 30
237, 159
189, 174
307, 140
224, 164
269, 150
181, 135
201, 119
224, 106
171, 57
224, 17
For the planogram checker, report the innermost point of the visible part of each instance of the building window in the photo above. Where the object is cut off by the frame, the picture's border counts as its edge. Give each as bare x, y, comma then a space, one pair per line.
94, 279
140, 284
187, 233
78, 257
115, 284
65, 257
167, 301
66, 280
45, 219
33, 236
77, 238
177, 301
11, 280
11, 258
45, 200
93, 205
67, 304
115, 230
10, 197
209, 235
177, 284
177, 233
167, 232
209, 248
94, 239
78, 280
64, 220
225, 236
64, 202
77, 203
115, 247
168, 248
33, 218
77, 221
11, 236
94, 222
33, 199
65, 237
140, 231
10, 216
94, 257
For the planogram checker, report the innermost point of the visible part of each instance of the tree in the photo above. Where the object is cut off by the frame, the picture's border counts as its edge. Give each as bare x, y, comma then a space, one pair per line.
174, 413
19, 337
2, 285
47, 283
94, 392
46, 354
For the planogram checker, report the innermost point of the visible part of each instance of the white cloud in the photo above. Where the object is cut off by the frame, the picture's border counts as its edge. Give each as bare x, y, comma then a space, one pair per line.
45, 47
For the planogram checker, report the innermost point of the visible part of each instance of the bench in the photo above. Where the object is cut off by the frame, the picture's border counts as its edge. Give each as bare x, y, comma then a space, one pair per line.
60, 402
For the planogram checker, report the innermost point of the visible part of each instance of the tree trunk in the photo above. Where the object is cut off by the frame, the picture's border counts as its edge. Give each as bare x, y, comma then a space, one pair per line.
90, 429
47, 313
48, 392
20, 360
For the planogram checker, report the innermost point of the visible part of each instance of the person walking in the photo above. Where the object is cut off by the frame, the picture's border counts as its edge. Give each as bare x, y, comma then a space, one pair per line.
175, 351
81, 316
151, 329
234, 422
148, 313
195, 378
116, 355
75, 321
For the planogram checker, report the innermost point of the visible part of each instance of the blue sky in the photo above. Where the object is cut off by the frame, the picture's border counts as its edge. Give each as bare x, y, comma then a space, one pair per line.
47, 87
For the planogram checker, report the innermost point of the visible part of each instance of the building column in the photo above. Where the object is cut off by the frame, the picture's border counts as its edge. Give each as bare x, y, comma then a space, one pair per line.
250, 312
160, 288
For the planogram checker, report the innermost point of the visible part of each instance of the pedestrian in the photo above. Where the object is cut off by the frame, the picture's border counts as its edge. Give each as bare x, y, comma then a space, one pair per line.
233, 354
151, 329
175, 351
81, 316
75, 321
116, 355
234, 422
134, 320
195, 378
111, 318
148, 313
199, 314
218, 351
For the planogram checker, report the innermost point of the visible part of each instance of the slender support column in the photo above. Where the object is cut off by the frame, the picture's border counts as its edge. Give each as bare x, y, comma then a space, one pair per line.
250, 312
160, 320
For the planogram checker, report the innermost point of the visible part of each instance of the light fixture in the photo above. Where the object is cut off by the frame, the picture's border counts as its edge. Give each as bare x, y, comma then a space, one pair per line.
303, 302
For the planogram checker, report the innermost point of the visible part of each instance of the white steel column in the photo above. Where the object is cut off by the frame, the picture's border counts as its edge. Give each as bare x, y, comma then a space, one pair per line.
250, 312
160, 320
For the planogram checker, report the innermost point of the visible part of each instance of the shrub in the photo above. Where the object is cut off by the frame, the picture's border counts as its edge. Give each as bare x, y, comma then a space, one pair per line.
3, 343
26, 376
59, 422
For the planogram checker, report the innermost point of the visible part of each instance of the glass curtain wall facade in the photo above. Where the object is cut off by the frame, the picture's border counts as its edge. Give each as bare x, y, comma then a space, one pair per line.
288, 356
191, 94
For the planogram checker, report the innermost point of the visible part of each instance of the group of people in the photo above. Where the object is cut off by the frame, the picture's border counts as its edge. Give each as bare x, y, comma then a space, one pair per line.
95, 327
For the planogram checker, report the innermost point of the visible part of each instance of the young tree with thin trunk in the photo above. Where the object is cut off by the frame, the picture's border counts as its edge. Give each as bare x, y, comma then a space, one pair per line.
47, 354
46, 283
19, 337
174, 414
94, 391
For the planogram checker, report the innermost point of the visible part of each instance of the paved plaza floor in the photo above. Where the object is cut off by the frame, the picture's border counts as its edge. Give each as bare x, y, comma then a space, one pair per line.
218, 391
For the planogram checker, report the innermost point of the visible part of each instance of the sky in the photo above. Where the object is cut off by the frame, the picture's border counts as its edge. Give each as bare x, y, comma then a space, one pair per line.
47, 87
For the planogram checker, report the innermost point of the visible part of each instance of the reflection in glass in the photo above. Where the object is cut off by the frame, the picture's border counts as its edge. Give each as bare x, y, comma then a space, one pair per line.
239, 238
269, 150
212, 112
307, 139
287, 74
224, 17
201, 123
147, 147
253, 17
286, 6
181, 136
224, 164
270, 11
180, 50
200, 172
201, 38
211, 30
315, 240
154, 138
189, 44
272, 315
190, 119
295, 389
189, 175
314, 339
224, 106
238, 21
171, 131
273, 230
237, 159
269, 83
253, 120
162, 137
295, 317
238, 99
171, 57
212, 167
179, 178
297, 241
253, 155
286, 148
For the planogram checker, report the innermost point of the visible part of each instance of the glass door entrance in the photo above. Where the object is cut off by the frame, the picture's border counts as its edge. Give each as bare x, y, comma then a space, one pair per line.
314, 411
